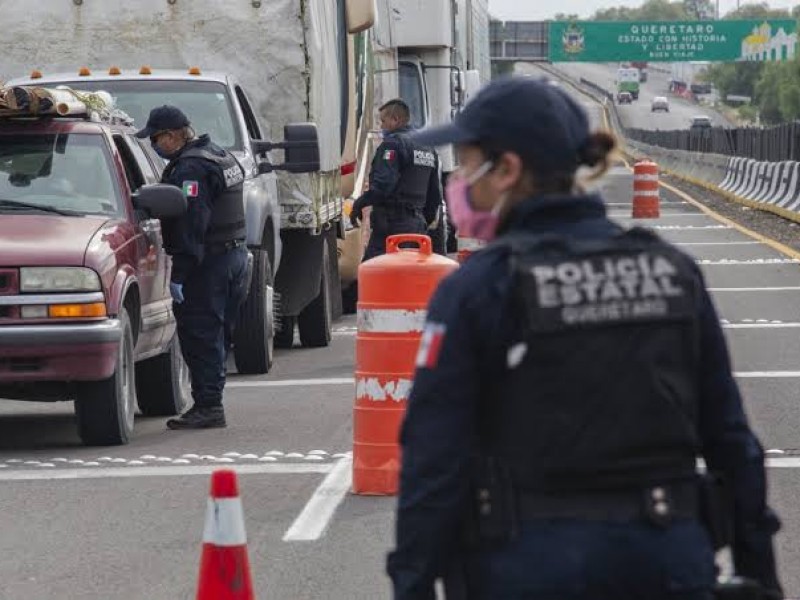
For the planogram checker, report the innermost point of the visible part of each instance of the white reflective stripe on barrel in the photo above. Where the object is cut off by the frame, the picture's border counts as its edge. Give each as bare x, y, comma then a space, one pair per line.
391, 320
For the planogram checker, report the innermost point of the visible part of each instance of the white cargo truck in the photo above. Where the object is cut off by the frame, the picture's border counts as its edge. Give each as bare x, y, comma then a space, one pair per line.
250, 73
434, 55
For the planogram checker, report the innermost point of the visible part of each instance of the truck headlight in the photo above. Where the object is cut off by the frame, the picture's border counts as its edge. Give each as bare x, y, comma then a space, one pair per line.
58, 279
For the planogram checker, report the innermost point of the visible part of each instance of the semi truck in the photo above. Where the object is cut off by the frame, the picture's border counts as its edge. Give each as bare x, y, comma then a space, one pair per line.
261, 78
627, 80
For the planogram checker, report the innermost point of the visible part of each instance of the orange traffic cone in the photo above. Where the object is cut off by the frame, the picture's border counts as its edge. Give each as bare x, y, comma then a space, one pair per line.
224, 567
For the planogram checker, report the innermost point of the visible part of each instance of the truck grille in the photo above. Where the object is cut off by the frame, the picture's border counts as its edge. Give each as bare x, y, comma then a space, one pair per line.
9, 282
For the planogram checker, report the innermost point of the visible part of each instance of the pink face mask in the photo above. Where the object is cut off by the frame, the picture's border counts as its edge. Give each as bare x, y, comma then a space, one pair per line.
470, 222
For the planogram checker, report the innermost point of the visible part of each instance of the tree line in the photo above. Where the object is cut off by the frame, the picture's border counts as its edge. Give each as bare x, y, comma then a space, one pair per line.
773, 86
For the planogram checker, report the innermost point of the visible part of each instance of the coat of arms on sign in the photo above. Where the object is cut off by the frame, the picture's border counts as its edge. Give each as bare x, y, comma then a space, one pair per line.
573, 39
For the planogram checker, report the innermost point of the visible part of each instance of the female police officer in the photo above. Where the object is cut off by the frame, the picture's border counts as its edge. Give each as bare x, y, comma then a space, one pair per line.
568, 378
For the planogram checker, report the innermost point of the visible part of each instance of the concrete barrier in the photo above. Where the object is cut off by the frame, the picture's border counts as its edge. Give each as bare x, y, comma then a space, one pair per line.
766, 182
792, 185
775, 182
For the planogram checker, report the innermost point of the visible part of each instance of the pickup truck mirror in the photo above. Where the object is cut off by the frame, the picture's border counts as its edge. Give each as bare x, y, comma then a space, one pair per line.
301, 148
161, 201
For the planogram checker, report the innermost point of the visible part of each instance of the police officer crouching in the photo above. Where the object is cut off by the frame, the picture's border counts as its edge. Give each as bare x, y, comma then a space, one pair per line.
404, 188
569, 376
209, 256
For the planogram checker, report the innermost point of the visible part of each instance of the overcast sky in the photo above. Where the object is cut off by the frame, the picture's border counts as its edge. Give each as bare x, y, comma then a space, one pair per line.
531, 10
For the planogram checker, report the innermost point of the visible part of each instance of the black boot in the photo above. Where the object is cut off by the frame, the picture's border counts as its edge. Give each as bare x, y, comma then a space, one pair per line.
210, 417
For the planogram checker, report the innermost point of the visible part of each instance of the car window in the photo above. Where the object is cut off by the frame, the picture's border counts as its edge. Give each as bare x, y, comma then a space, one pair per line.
132, 170
149, 173
206, 103
68, 171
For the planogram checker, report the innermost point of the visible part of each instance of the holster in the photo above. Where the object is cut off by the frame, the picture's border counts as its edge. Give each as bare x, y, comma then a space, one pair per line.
493, 516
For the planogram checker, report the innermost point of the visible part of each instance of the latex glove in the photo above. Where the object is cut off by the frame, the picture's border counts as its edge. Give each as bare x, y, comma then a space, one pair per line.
356, 215
176, 291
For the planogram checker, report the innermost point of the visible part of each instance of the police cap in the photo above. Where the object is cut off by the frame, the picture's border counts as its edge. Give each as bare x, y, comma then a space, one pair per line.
163, 118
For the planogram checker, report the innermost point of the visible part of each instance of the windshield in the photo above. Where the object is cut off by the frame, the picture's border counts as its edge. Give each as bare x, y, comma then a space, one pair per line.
206, 103
66, 171
411, 92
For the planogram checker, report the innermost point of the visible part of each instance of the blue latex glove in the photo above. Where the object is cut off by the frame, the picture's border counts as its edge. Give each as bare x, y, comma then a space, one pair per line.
176, 291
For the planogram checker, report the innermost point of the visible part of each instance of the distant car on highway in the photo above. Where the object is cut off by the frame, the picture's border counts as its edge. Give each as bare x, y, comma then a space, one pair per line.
85, 308
659, 103
624, 98
701, 123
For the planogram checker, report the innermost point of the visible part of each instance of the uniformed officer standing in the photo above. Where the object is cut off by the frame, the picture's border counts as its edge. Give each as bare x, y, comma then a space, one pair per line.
568, 378
209, 256
404, 188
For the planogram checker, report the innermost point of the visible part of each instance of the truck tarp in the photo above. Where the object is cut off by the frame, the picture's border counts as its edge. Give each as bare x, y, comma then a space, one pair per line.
284, 53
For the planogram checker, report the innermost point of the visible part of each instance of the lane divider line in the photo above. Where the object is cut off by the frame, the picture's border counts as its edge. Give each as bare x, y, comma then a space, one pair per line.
315, 517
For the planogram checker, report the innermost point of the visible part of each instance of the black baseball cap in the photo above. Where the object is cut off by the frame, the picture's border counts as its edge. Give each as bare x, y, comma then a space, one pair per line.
525, 115
163, 118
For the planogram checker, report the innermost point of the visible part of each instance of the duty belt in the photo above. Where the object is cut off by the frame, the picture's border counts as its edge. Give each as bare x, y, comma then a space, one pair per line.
657, 503
223, 247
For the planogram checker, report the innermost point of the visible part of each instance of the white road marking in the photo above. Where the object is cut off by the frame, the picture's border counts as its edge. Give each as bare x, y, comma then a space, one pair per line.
766, 374
677, 227
181, 471
316, 515
760, 325
630, 205
758, 289
750, 262
289, 382
783, 462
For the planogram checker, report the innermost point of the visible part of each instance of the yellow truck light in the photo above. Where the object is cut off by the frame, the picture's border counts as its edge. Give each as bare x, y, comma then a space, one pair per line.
77, 311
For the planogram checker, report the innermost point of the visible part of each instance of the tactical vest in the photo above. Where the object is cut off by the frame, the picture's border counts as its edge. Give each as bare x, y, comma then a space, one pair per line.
602, 391
227, 219
420, 163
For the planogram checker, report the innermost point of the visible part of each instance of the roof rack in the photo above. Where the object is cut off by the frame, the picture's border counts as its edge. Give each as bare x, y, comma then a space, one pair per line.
62, 101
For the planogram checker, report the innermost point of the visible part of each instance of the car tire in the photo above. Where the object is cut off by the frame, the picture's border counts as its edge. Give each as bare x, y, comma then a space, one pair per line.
254, 334
104, 410
284, 334
315, 321
163, 386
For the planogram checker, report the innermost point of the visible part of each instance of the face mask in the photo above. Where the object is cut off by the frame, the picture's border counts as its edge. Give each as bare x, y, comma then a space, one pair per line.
470, 222
161, 153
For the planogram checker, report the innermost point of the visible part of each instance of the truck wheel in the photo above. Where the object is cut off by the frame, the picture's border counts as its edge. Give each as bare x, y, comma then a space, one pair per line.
315, 320
105, 409
253, 346
162, 383
284, 336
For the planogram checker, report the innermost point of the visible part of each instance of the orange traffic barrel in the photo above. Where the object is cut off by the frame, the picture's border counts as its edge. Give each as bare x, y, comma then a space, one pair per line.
393, 295
646, 203
466, 247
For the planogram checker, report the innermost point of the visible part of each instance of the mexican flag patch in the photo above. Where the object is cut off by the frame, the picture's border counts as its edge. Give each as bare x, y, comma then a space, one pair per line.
191, 189
389, 155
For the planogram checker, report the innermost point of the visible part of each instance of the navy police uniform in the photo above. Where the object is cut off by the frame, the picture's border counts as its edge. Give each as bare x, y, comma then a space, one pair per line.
568, 378
404, 190
209, 259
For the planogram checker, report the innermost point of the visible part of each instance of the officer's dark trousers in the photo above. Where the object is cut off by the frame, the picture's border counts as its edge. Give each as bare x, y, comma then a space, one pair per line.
591, 560
387, 221
212, 294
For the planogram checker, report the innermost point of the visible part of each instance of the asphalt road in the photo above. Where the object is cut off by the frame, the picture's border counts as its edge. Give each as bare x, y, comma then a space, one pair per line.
638, 114
126, 522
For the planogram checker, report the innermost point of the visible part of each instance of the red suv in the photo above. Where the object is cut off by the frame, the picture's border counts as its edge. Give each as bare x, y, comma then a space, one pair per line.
85, 310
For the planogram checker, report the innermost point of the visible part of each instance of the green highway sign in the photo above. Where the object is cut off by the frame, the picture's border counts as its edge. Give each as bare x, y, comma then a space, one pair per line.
672, 41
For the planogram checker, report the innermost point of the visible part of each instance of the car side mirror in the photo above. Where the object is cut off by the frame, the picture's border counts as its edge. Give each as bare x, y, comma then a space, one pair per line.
161, 201
300, 146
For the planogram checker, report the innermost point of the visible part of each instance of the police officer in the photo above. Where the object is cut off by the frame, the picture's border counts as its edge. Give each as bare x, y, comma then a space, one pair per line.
404, 188
568, 377
209, 256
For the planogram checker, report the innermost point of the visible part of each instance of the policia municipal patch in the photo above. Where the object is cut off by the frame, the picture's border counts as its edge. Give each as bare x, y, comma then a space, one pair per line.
633, 277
